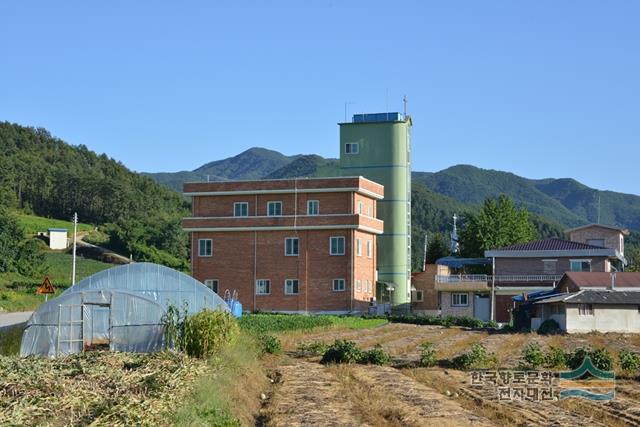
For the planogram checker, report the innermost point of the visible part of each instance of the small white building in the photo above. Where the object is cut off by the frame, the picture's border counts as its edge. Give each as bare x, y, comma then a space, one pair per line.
585, 302
58, 238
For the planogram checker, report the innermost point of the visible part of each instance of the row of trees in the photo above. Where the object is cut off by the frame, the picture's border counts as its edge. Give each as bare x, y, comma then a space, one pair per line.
45, 176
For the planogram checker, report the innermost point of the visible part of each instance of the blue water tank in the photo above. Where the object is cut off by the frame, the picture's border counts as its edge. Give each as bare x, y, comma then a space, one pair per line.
236, 308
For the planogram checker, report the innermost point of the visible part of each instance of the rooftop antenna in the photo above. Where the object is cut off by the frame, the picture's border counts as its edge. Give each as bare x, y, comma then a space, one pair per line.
345, 109
404, 101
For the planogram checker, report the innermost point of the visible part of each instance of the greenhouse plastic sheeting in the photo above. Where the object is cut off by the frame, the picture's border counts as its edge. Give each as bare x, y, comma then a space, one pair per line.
159, 283
76, 321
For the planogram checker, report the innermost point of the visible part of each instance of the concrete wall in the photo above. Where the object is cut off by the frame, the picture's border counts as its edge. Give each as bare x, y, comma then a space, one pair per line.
605, 318
57, 240
449, 310
612, 239
534, 266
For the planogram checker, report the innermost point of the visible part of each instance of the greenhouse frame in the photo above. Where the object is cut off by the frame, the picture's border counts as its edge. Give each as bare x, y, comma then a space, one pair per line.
121, 308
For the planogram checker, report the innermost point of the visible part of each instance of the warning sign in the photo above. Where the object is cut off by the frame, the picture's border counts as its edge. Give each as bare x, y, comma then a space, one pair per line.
46, 287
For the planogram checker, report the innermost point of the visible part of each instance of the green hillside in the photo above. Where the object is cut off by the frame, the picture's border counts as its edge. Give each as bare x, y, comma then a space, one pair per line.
43, 175
308, 166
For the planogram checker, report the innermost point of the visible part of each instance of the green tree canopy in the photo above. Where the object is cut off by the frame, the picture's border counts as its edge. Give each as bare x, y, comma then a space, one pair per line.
499, 223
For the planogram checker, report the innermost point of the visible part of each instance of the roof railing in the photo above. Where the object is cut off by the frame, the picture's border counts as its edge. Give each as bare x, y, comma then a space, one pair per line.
460, 278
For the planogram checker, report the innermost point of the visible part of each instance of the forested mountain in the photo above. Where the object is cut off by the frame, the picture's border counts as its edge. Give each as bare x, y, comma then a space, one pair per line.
254, 163
306, 165
42, 174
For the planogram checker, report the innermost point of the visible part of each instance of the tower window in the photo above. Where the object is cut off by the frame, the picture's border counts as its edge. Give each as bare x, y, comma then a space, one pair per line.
351, 148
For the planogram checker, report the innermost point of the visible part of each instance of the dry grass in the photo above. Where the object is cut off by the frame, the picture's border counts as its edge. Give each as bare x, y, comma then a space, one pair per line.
596, 411
447, 350
98, 388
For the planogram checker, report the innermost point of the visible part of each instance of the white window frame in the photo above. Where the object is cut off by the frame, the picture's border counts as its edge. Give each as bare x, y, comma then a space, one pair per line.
359, 247
339, 288
459, 295
368, 286
369, 210
290, 282
238, 204
351, 148
360, 208
358, 285
546, 262
344, 244
209, 284
419, 296
266, 282
571, 261
369, 249
297, 246
311, 203
200, 242
275, 203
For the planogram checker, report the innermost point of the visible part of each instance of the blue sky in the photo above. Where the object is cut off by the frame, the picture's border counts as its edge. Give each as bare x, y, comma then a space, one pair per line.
539, 88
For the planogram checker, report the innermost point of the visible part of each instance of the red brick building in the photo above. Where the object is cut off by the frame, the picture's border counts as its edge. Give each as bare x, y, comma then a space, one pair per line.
292, 245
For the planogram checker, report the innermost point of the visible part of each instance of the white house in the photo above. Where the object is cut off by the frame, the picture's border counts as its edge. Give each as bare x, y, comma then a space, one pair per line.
58, 238
585, 302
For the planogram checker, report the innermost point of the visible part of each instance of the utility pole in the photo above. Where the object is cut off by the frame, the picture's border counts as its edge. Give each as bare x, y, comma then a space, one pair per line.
75, 232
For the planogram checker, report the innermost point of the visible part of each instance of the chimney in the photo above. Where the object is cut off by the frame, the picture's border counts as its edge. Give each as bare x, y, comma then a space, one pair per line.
613, 281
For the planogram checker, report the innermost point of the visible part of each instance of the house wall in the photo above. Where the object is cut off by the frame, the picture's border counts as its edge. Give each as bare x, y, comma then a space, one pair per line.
425, 282
449, 310
535, 266
605, 318
612, 239
57, 240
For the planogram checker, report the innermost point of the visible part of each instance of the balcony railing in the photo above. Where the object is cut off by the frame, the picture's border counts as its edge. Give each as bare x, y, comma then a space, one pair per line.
479, 278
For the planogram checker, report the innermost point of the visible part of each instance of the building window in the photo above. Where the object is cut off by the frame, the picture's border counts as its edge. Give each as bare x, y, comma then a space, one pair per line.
359, 247
338, 285
291, 246
313, 207
369, 248
369, 209
212, 284
205, 247
419, 296
291, 287
241, 209
263, 287
459, 300
274, 208
580, 265
369, 290
596, 242
585, 309
359, 285
557, 309
549, 266
351, 148
337, 246
360, 208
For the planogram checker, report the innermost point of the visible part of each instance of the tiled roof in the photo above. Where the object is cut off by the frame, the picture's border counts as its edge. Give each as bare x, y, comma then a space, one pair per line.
552, 244
600, 279
595, 297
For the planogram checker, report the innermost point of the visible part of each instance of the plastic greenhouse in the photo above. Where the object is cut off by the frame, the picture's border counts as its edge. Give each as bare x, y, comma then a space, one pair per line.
120, 308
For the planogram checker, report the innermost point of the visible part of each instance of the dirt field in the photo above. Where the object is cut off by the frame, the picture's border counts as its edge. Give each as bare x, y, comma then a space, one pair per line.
308, 393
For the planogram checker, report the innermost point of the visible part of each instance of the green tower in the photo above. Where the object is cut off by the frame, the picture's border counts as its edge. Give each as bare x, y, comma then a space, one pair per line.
378, 147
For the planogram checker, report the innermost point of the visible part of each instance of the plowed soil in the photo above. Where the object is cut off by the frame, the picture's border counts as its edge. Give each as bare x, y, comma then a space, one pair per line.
308, 393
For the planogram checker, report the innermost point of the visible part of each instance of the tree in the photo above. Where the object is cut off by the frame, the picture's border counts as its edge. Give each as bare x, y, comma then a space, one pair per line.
437, 247
498, 224
632, 253
11, 236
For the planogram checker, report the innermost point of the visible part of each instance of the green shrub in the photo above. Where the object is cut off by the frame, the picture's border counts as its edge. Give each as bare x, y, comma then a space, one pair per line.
427, 355
491, 324
270, 344
375, 356
342, 351
207, 332
556, 358
548, 327
600, 357
533, 355
629, 362
315, 348
475, 358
